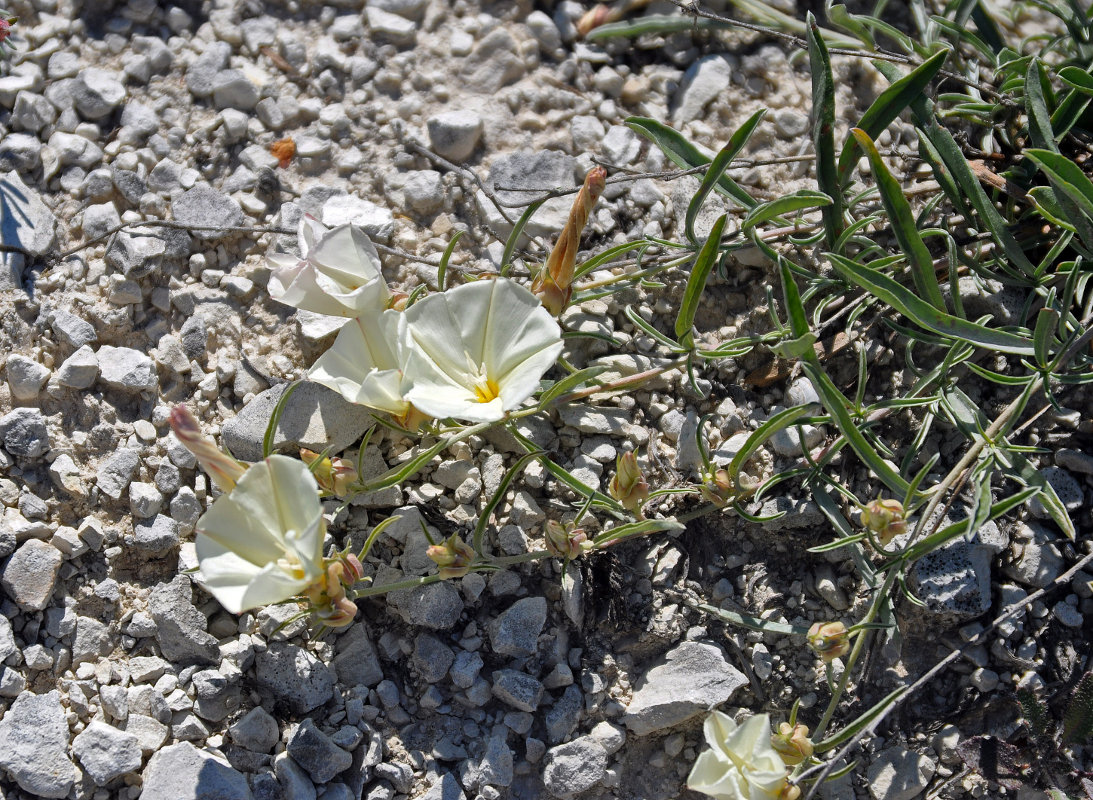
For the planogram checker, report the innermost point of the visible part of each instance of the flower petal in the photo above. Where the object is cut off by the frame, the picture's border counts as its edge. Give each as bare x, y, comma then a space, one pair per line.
362, 366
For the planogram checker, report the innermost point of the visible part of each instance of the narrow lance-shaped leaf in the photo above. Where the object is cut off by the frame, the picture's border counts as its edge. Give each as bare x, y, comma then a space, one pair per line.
717, 169
922, 313
823, 131
700, 272
903, 224
888, 106
788, 204
1066, 176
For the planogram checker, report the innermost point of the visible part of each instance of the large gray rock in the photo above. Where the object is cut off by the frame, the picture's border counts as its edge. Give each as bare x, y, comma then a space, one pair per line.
24, 433
204, 206
315, 752
356, 662
106, 753
574, 767
689, 680
30, 574
26, 223
181, 630
704, 80
954, 581
1037, 558
182, 772
515, 632
455, 134
126, 369
899, 774
34, 745
97, 92
116, 473
532, 171
437, 605
314, 417
294, 677
256, 731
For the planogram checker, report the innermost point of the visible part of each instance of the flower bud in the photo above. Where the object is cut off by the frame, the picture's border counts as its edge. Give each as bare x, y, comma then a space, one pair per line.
792, 743
790, 792
629, 486
885, 518
224, 470
565, 541
334, 475
718, 488
398, 300
830, 640
453, 556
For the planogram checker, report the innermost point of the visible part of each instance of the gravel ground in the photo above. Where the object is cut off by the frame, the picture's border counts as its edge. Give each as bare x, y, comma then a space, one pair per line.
121, 678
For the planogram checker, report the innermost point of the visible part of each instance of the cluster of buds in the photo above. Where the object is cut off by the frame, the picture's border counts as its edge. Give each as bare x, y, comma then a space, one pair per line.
335, 476
885, 518
453, 556
830, 640
565, 541
629, 486
554, 283
327, 599
5, 28
224, 470
792, 743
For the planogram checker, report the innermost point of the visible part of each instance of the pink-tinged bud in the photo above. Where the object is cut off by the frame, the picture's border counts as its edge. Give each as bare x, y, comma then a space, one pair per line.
5, 26
792, 743
830, 640
718, 488
628, 485
885, 518
565, 541
453, 556
341, 613
354, 570
334, 475
224, 470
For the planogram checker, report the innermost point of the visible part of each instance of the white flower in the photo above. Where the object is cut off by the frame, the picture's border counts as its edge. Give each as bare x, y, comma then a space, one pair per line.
338, 272
262, 542
741, 764
477, 351
363, 363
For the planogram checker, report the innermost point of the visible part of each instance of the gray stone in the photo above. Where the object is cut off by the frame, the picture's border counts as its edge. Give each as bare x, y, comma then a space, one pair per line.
34, 745
356, 662
72, 330
562, 718
98, 220
495, 766
314, 417
437, 605
376, 221
7, 639
954, 580
518, 689
24, 433
790, 123
116, 473
194, 337
424, 191
1037, 558
689, 680
181, 630
465, 668
455, 134
410, 9
516, 631
182, 772
295, 784
33, 111
106, 753
705, 79
217, 694
92, 641
432, 658
26, 377
536, 171
294, 676
97, 92
493, 63
28, 224
126, 369
202, 73
145, 501
574, 767
150, 733
157, 536
391, 27
1074, 460
138, 122
447, 788
256, 731
315, 752
899, 774
204, 206
30, 574
20, 152
232, 89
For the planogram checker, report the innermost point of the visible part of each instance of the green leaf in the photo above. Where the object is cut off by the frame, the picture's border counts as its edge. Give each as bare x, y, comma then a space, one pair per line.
499, 495
646, 327
568, 384
700, 272
562, 475
1027, 475
717, 170
641, 528
903, 224
923, 314
685, 155
275, 419
442, 269
776, 422
823, 131
962, 34
655, 24
517, 232
888, 106
858, 725
1072, 107
1043, 336
788, 204
1066, 176
750, 622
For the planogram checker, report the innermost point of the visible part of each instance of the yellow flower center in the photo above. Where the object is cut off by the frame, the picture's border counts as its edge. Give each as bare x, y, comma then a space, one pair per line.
486, 389
291, 565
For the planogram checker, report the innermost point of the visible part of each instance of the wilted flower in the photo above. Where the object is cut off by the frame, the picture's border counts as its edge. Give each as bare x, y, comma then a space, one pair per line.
741, 764
554, 283
792, 743
334, 475
283, 150
477, 351
262, 543
337, 273
453, 556
363, 365
885, 518
830, 640
628, 485
566, 541
224, 470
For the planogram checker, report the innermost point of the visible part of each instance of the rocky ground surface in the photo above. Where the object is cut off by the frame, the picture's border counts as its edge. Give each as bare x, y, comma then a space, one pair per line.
121, 678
